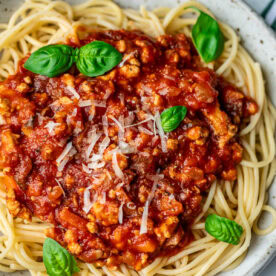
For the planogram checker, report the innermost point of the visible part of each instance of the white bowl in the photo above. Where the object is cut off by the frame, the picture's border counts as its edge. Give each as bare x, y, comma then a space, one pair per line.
260, 41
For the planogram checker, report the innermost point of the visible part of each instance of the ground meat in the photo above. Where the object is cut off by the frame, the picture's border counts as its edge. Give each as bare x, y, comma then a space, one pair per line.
114, 188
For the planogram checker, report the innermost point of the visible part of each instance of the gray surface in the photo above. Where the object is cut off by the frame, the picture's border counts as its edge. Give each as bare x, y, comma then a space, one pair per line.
270, 270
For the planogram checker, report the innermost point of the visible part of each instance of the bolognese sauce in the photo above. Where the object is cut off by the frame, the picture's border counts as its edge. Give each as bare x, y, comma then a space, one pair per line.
89, 155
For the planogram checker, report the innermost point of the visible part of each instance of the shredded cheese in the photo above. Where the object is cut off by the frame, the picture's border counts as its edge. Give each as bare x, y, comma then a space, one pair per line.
104, 144
87, 202
77, 129
65, 152
107, 94
145, 130
96, 165
126, 58
126, 148
144, 222
161, 132
121, 213
115, 165
117, 123
121, 133
146, 120
73, 91
85, 169
85, 103
60, 186
51, 126
62, 164
94, 138
105, 124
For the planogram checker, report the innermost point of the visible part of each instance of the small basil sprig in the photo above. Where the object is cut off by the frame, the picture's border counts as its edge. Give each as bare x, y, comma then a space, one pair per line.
51, 60
207, 37
223, 229
93, 59
57, 260
96, 58
172, 117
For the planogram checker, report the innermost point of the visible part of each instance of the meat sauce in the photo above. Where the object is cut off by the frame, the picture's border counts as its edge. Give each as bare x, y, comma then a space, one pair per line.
86, 154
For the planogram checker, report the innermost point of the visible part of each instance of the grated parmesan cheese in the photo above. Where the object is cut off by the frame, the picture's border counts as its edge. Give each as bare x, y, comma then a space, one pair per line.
73, 91
60, 186
115, 165
51, 126
161, 132
107, 94
85, 103
87, 202
94, 138
144, 121
121, 213
126, 58
105, 124
96, 165
62, 164
65, 152
126, 148
85, 169
145, 130
144, 222
104, 144
117, 123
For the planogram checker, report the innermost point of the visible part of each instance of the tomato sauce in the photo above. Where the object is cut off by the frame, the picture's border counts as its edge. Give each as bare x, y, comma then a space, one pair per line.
86, 154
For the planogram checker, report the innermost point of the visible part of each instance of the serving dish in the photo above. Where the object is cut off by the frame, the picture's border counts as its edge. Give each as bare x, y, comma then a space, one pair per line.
260, 41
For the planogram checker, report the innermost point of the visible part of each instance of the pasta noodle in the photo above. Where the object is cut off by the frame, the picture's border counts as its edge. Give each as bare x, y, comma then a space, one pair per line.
40, 22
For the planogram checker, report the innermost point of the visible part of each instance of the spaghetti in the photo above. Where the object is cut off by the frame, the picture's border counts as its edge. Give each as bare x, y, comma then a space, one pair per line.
40, 22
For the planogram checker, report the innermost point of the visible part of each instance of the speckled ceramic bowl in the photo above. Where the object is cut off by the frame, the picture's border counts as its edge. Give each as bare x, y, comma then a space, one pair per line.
260, 41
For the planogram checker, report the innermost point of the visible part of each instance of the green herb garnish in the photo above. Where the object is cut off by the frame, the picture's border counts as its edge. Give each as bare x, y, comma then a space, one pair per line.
93, 59
51, 60
207, 37
57, 260
172, 117
96, 58
223, 229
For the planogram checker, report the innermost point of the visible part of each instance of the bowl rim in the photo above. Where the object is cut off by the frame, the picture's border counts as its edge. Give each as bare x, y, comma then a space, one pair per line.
270, 35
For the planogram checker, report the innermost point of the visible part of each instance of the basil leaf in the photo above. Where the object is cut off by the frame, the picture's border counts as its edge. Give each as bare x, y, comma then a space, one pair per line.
172, 117
57, 260
96, 58
207, 37
223, 229
51, 60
